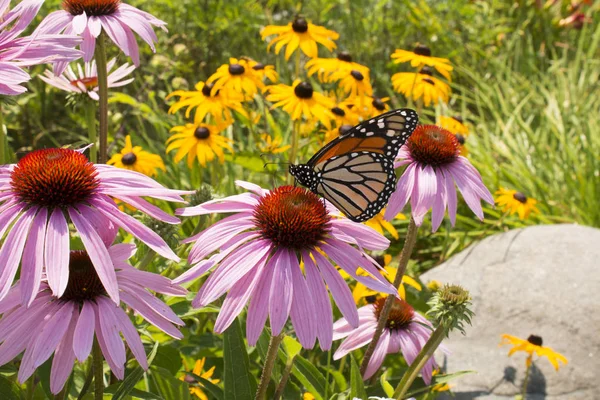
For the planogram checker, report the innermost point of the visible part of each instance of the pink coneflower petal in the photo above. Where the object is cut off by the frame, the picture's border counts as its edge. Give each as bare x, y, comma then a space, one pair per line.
402, 194
105, 320
62, 364
439, 202
57, 250
258, 310
33, 258
151, 315
356, 340
323, 317
83, 338
378, 355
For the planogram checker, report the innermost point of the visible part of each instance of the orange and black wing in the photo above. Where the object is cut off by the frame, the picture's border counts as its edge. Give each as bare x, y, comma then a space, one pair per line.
358, 184
384, 135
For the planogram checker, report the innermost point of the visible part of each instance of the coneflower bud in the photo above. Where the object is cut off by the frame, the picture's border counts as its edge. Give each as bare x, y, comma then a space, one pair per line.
201, 195
450, 308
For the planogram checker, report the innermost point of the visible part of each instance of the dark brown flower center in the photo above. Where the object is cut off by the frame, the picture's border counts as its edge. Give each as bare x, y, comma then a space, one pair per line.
345, 129
520, 197
292, 217
338, 111
458, 118
378, 104
432, 145
300, 25
371, 299
84, 283
304, 90
236, 69
461, 139
129, 159
426, 71
258, 67
94, 8
344, 56
206, 89
357, 75
535, 340
54, 178
201, 133
422, 50
401, 314
431, 82
89, 83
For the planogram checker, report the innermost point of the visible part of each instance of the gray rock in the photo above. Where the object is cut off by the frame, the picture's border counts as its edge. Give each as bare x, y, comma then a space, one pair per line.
542, 280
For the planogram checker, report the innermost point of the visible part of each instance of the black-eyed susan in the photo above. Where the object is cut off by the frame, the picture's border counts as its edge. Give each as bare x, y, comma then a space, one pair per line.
361, 293
380, 224
324, 67
533, 345
201, 141
334, 132
440, 387
299, 34
300, 100
421, 85
345, 114
516, 202
421, 56
372, 106
272, 144
195, 386
237, 76
355, 85
134, 158
219, 105
262, 70
434, 285
454, 124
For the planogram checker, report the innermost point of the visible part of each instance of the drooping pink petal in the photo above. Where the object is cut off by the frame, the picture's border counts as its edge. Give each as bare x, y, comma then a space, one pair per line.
356, 339
107, 324
57, 252
155, 282
322, 305
361, 235
439, 203
105, 228
342, 328
402, 194
149, 209
237, 203
425, 190
302, 312
116, 368
64, 359
84, 332
131, 336
258, 310
151, 315
151, 301
378, 355
32, 264
281, 292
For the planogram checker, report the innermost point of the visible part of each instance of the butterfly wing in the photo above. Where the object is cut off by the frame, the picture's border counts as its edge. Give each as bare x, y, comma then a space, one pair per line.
384, 134
358, 184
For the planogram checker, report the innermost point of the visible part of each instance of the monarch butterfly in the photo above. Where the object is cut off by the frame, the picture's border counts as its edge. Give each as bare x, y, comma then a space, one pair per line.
355, 171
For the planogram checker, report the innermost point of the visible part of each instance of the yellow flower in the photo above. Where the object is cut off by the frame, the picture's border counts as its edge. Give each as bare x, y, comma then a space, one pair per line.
372, 106
308, 396
355, 84
361, 291
272, 145
201, 141
334, 132
195, 388
217, 104
441, 387
434, 285
301, 100
262, 70
299, 33
532, 345
379, 224
345, 114
516, 202
421, 85
237, 76
454, 124
421, 56
136, 159
325, 67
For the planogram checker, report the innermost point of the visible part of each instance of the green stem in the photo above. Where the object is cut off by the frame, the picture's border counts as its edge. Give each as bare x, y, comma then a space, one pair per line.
426, 353
527, 373
265, 377
411, 101
98, 371
88, 381
409, 244
284, 379
3, 159
90, 116
298, 55
146, 260
100, 57
294, 149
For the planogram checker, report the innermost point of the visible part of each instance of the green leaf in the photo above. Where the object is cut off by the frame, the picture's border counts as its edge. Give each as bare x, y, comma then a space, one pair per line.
340, 379
168, 358
357, 387
9, 390
135, 393
169, 387
216, 391
239, 383
127, 386
291, 346
387, 387
309, 376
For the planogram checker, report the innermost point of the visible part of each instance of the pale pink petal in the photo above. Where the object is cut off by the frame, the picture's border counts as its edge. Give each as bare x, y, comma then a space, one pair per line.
439, 203
322, 305
107, 324
378, 355
150, 315
149, 209
282, 291
84, 332
258, 310
80, 23
402, 194
303, 313
57, 252
357, 339
33, 259
361, 235
132, 337
105, 228
64, 359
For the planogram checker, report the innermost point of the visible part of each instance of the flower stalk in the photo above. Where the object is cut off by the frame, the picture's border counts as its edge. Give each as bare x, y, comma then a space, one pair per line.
98, 371
101, 65
294, 149
527, 373
409, 244
261, 393
90, 117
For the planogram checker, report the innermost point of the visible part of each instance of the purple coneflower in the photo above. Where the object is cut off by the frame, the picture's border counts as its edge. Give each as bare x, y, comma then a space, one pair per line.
406, 331
66, 326
434, 165
260, 251
85, 80
16, 52
119, 20
48, 188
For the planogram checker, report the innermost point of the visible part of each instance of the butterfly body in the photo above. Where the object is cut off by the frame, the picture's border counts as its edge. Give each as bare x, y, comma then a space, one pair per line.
355, 171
